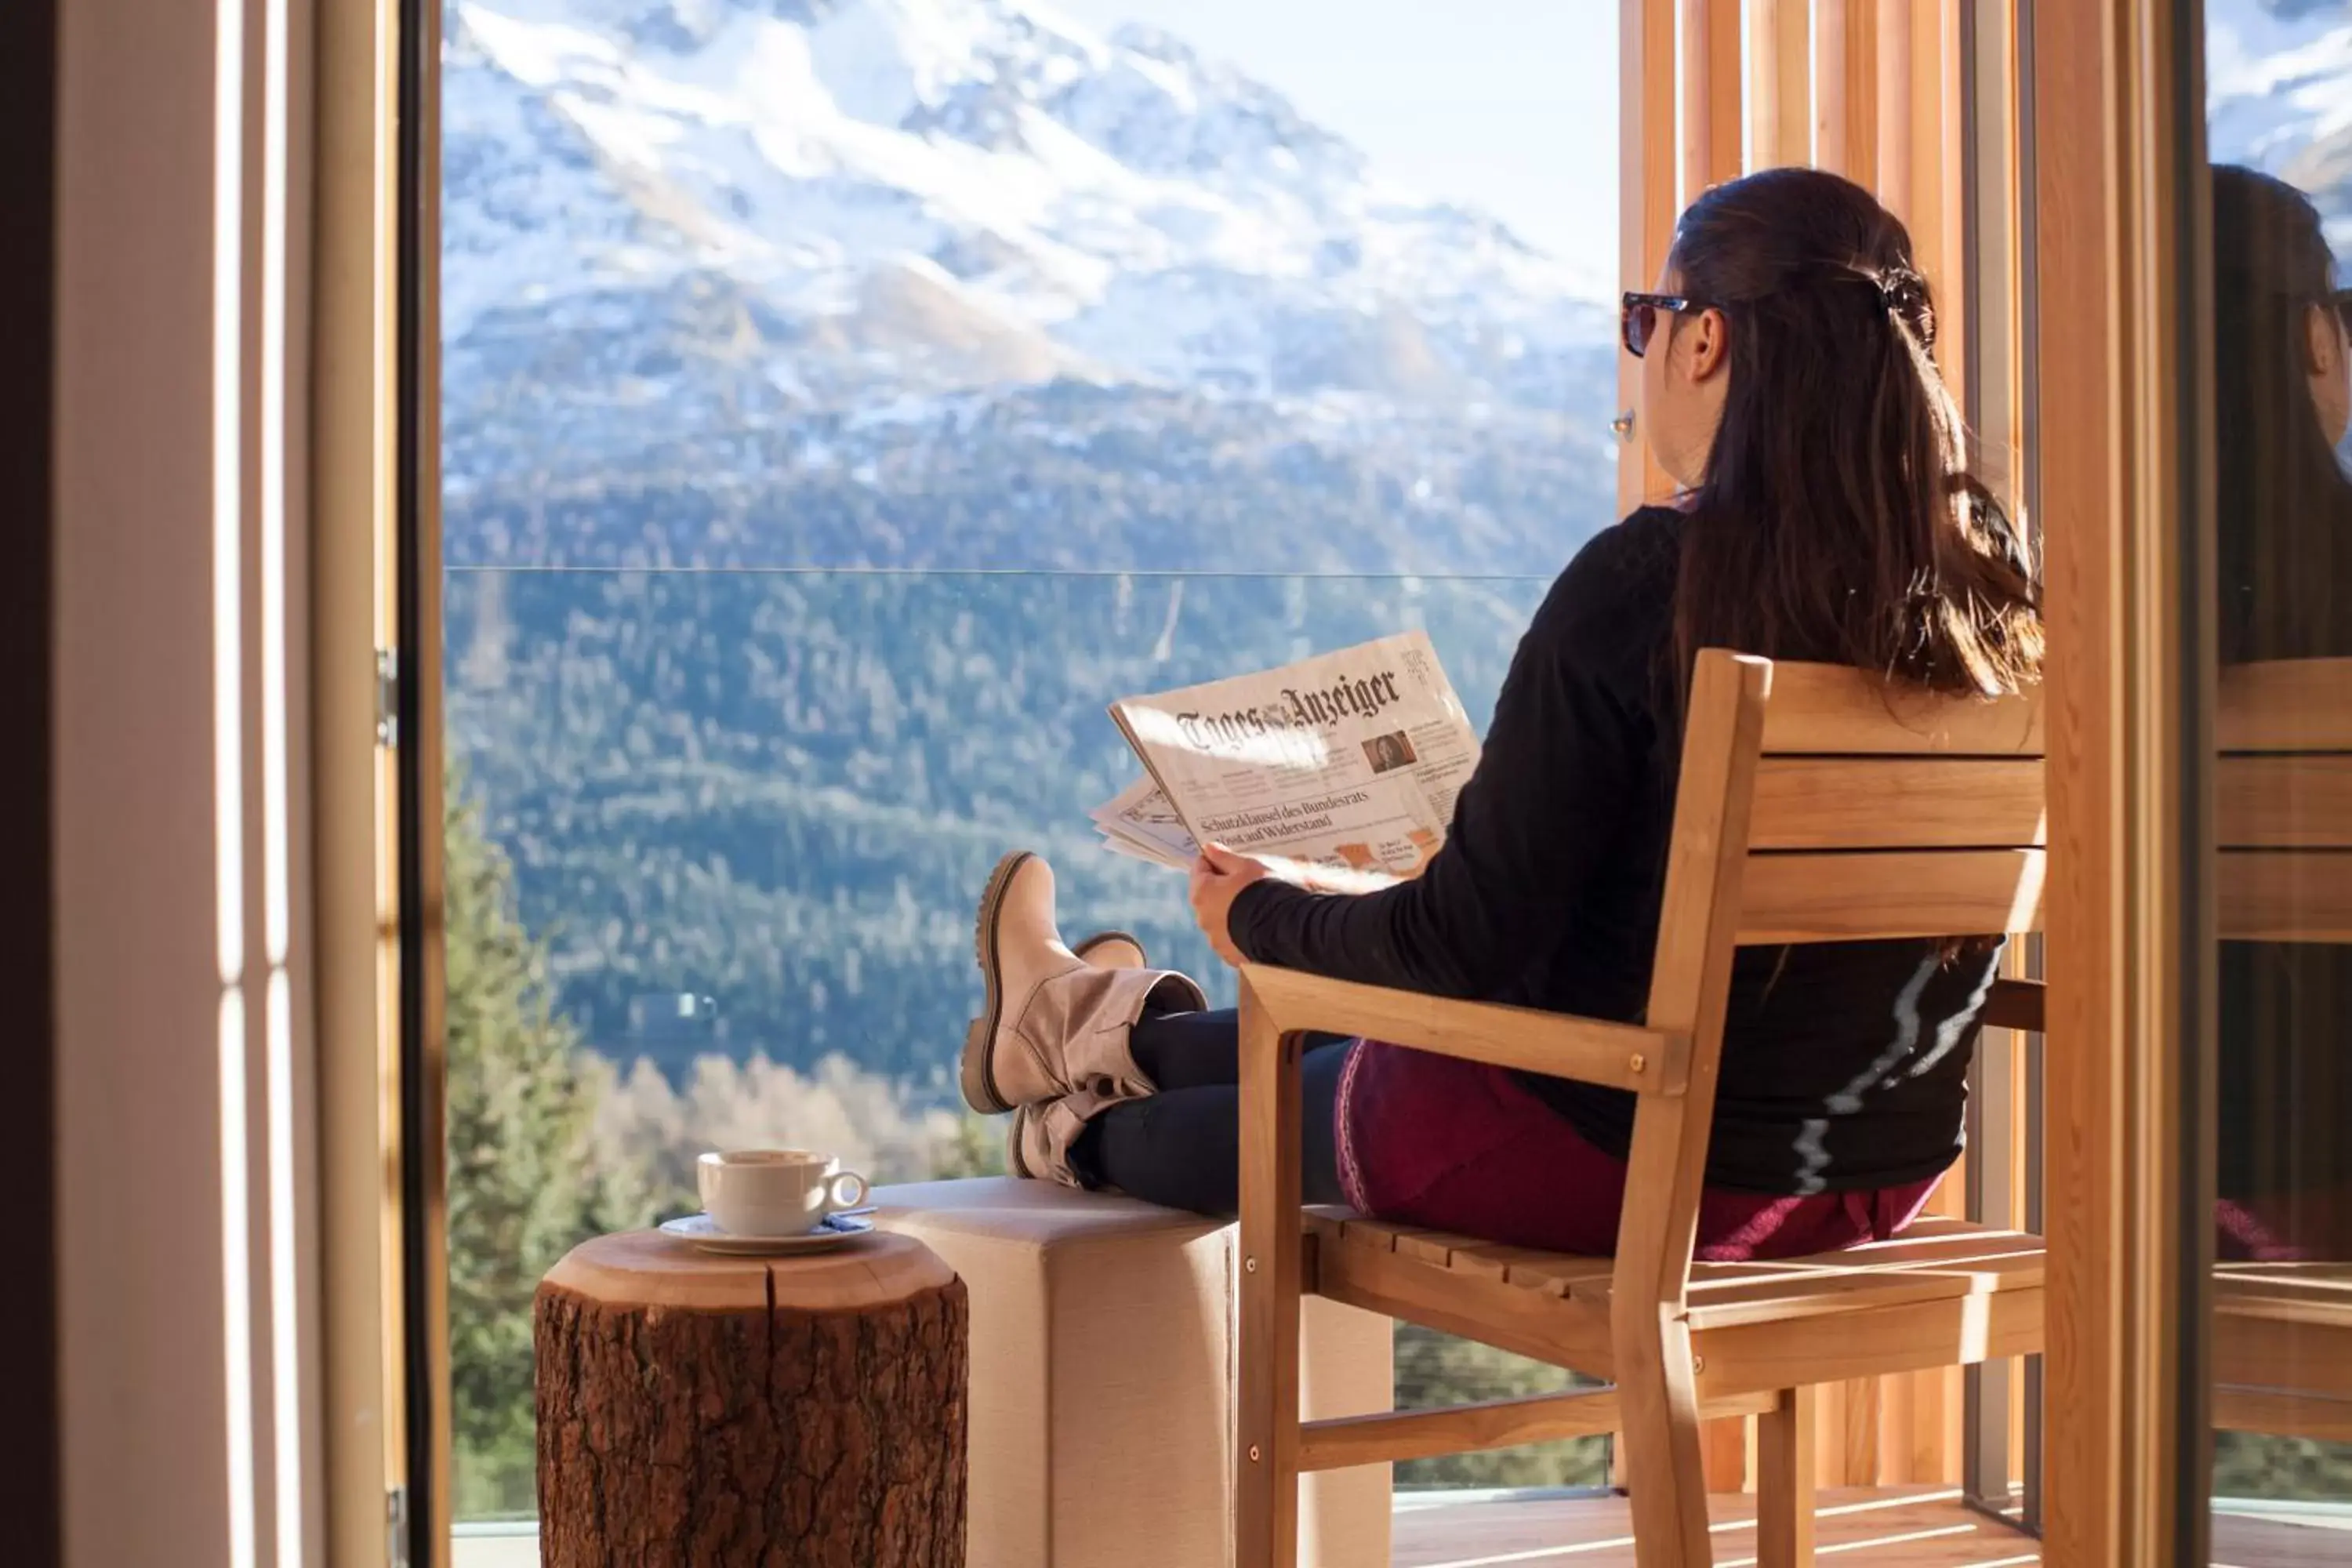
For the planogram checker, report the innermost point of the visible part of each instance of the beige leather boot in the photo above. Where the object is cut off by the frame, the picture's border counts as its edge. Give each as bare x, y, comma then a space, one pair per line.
1038, 1145
1054, 1024
1112, 949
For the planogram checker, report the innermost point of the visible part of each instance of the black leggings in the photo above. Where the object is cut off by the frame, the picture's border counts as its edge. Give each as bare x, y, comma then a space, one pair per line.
1182, 1147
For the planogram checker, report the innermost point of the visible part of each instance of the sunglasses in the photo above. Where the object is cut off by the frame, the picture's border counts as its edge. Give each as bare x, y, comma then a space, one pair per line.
1639, 323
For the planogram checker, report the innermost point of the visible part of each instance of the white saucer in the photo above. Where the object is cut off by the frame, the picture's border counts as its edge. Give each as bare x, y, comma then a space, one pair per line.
704, 1232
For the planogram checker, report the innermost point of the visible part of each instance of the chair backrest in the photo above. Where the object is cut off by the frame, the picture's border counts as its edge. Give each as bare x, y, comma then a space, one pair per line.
1880, 812
1815, 804
2282, 801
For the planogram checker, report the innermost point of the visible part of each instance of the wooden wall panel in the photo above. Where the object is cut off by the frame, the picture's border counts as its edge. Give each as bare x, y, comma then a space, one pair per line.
1845, 88
1940, 154
1897, 109
1779, 83
1726, 93
1646, 209
1829, 45
1710, 93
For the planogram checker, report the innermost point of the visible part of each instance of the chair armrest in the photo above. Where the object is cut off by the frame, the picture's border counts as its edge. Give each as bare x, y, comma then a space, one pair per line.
2014, 1004
1618, 1055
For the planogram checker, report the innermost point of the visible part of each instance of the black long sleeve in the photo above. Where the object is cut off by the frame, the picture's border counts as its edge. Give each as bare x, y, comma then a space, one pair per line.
1542, 826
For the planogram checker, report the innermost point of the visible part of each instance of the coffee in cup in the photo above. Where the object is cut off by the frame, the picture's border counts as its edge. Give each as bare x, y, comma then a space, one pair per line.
775, 1192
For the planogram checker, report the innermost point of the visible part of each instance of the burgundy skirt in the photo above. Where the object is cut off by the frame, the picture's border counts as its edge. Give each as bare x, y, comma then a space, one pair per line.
1461, 1146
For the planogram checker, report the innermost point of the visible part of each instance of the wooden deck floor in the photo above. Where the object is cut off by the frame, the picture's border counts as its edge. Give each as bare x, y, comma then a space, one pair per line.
1903, 1528
1886, 1528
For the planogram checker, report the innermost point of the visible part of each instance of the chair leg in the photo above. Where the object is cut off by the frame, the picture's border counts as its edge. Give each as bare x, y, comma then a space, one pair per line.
1665, 1470
1265, 1450
1265, 1525
1784, 1482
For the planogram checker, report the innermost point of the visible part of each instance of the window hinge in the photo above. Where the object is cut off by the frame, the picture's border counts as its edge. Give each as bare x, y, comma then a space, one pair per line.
395, 1520
387, 697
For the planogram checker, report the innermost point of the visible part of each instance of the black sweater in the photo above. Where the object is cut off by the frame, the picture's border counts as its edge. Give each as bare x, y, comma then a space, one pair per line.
1844, 1065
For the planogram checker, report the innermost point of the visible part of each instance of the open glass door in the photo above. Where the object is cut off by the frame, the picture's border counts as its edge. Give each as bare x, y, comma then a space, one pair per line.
413, 733
821, 409
2195, 390
811, 413
2275, 243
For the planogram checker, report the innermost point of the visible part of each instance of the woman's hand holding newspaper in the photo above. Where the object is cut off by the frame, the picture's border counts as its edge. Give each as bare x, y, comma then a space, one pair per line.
1218, 877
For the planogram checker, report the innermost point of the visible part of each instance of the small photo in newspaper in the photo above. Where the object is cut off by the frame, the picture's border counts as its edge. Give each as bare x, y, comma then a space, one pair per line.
1389, 752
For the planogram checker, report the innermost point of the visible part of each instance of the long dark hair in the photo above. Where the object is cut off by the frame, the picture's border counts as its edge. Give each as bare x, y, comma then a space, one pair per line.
1837, 521
2284, 526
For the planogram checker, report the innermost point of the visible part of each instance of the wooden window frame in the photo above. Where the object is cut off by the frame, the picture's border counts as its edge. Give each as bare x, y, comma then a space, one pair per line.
374, 477
2118, 189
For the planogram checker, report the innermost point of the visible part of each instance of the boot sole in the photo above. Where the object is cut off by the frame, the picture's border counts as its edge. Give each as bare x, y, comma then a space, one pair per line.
978, 1066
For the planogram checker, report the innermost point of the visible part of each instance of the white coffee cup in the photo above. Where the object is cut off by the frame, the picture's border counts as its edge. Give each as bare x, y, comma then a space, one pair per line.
775, 1192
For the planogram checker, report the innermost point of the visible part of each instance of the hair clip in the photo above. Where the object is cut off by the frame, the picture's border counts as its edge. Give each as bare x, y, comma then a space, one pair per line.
1905, 293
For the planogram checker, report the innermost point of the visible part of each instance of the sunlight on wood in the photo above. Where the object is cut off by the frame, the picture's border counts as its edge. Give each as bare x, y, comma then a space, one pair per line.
1909, 1527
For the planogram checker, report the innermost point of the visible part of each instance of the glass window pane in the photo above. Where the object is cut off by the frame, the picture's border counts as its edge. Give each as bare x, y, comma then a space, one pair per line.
2280, 78
843, 402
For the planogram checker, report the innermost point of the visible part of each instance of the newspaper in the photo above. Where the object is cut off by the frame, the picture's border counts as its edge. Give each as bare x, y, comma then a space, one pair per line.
1343, 767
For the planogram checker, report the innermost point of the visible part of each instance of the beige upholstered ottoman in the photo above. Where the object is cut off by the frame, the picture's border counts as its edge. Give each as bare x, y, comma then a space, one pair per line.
1101, 1380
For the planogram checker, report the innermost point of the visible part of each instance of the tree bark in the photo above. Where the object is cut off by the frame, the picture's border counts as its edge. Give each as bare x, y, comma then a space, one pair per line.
778, 1412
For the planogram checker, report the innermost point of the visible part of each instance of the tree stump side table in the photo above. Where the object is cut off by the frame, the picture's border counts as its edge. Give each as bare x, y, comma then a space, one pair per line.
795, 1412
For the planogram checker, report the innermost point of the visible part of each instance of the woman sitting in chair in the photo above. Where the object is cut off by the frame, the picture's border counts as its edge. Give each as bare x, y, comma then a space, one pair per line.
2283, 407
1787, 381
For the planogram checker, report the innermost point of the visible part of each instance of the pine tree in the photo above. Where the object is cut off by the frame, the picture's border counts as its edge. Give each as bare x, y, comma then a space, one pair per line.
522, 1188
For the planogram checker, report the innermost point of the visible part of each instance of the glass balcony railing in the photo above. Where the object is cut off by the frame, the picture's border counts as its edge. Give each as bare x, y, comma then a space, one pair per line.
715, 846
839, 406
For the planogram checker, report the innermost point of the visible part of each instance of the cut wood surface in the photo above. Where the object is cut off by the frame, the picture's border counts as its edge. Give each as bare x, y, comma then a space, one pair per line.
785, 1412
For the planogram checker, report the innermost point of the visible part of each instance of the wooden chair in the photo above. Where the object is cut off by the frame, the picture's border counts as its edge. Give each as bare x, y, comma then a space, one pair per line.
1814, 805
2282, 812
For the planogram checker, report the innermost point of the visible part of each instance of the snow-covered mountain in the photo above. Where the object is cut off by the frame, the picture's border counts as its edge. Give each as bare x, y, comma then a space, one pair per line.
795, 236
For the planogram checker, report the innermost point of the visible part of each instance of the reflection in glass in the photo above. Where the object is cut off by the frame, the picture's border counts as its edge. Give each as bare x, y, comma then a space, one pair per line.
2282, 354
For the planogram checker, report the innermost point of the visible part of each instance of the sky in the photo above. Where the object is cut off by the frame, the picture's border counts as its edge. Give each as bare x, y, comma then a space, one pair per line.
1507, 105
